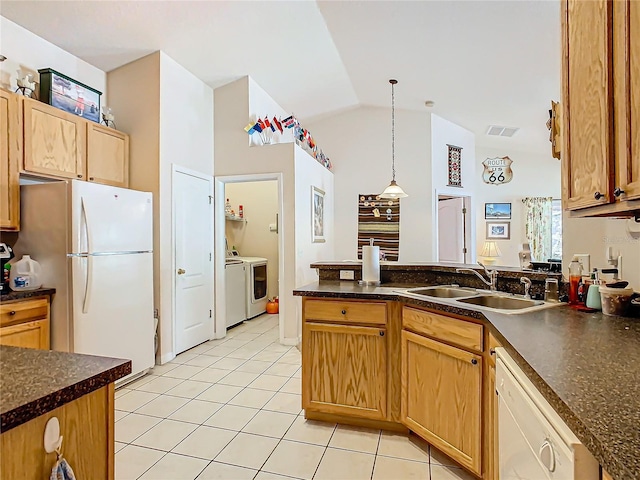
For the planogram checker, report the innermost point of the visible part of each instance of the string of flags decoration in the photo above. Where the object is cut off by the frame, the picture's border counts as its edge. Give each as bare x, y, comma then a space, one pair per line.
266, 129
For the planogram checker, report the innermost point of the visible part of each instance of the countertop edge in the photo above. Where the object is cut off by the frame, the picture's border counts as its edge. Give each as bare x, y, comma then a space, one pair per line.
35, 408
589, 439
26, 294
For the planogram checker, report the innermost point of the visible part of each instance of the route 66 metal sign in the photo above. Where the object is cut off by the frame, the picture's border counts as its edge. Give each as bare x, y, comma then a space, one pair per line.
497, 170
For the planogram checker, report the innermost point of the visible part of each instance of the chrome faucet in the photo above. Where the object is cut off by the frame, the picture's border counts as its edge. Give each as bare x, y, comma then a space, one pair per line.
491, 274
527, 286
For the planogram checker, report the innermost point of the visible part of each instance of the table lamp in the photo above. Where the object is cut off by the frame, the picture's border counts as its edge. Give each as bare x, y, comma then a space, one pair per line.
490, 252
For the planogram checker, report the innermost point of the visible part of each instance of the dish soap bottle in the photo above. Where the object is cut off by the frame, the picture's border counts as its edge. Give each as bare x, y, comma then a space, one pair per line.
575, 275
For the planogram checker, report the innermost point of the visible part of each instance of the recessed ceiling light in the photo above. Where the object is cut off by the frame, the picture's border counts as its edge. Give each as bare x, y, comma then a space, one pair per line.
429, 103
500, 131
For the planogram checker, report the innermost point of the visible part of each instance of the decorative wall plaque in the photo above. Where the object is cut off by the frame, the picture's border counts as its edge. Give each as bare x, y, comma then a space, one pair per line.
454, 166
497, 170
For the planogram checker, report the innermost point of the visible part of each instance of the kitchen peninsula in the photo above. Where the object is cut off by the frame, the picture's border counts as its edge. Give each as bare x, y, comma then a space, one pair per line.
584, 364
36, 385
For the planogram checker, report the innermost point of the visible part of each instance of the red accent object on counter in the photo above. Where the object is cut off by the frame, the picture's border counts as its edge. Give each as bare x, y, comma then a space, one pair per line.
240, 211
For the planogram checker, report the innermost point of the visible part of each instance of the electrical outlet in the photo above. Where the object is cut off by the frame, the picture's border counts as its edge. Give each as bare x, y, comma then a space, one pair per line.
347, 275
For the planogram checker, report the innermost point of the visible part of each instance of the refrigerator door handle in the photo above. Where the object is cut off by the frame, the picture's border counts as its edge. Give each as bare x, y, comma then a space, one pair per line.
87, 286
86, 226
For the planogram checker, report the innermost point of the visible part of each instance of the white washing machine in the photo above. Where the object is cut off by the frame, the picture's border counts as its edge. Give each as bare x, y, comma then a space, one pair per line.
256, 282
236, 291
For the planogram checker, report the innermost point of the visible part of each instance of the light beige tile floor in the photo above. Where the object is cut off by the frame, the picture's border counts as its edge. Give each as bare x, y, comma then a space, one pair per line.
230, 409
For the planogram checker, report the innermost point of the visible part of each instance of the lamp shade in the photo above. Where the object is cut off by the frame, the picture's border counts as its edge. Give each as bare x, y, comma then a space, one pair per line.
393, 191
490, 249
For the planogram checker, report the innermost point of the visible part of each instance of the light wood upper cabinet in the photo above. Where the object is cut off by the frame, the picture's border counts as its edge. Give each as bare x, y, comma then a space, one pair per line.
345, 370
10, 159
601, 107
25, 324
54, 141
107, 156
626, 16
442, 397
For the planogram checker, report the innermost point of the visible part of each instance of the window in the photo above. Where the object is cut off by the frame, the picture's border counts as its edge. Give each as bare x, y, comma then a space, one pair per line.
556, 229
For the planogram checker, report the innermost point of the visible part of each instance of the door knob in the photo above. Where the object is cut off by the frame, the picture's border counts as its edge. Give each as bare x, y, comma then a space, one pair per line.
181, 271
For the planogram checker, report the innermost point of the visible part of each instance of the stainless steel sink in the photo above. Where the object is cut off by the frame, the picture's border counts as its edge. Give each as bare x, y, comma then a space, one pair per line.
501, 303
442, 291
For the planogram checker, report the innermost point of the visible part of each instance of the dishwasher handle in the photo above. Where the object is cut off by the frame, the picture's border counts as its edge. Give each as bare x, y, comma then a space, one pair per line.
547, 455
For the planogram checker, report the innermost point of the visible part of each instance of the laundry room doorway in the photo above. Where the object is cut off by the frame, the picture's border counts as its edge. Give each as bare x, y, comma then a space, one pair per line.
248, 209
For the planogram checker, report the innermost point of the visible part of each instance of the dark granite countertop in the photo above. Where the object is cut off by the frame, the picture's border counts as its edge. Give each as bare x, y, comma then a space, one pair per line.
26, 294
34, 382
584, 364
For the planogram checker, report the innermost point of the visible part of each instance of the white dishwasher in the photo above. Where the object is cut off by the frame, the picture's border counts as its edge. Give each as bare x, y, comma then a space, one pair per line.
235, 284
534, 442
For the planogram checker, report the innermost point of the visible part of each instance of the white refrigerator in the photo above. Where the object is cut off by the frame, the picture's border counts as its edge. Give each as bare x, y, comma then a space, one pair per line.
95, 245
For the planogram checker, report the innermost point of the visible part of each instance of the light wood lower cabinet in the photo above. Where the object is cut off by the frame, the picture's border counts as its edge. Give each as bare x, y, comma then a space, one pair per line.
25, 324
344, 370
87, 425
442, 397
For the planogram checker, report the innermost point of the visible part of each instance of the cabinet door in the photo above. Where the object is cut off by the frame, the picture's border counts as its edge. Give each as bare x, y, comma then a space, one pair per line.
10, 158
27, 335
627, 98
344, 370
442, 398
54, 141
588, 162
107, 156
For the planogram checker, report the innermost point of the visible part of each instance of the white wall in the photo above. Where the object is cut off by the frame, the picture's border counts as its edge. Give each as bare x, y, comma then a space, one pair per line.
27, 51
253, 237
594, 236
234, 157
359, 144
165, 128
534, 175
310, 173
444, 133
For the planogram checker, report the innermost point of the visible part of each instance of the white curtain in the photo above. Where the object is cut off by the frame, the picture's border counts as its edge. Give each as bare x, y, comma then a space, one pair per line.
538, 226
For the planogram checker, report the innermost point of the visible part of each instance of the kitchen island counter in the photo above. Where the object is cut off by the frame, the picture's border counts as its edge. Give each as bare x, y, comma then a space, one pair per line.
584, 364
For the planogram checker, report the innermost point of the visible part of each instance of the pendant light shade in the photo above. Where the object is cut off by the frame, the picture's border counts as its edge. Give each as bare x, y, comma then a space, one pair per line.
393, 190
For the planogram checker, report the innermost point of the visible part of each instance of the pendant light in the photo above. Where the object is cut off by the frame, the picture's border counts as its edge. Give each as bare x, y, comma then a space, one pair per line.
393, 190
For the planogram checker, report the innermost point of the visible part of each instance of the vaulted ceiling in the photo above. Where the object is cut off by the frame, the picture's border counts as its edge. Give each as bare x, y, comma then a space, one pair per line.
481, 62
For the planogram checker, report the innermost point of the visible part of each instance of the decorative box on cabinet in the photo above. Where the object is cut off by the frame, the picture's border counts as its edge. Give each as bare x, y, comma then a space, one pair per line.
601, 99
25, 323
10, 160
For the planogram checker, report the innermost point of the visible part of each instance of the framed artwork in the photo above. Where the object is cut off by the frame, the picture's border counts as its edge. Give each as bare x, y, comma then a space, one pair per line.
69, 95
498, 230
317, 215
497, 211
454, 166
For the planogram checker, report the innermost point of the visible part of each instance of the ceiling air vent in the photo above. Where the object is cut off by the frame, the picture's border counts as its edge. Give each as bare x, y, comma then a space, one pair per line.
502, 131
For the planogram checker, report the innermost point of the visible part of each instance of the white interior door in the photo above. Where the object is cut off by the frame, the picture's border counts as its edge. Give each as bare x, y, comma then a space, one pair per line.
193, 266
451, 230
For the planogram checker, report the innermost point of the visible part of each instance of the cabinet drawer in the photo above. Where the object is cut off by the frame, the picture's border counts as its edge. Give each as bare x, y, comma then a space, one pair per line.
11, 313
451, 330
346, 312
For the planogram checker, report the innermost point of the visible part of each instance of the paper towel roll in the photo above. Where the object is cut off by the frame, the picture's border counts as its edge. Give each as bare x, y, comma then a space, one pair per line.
370, 264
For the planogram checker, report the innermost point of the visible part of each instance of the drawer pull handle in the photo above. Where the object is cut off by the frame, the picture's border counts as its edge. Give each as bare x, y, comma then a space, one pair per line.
12, 312
382, 333
344, 312
492, 351
79, 176
91, 178
474, 361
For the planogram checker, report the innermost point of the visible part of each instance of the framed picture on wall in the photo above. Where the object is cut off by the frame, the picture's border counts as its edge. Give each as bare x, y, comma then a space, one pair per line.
497, 211
498, 230
317, 215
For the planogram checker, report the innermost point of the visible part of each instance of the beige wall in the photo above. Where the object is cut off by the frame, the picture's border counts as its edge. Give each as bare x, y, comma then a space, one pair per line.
253, 238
